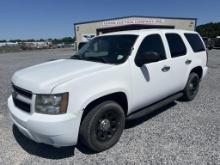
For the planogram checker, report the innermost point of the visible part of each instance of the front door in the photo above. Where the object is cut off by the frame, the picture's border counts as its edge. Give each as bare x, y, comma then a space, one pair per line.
151, 82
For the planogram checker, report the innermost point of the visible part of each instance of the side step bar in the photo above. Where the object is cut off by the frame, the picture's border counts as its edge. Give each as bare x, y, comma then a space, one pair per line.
152, 107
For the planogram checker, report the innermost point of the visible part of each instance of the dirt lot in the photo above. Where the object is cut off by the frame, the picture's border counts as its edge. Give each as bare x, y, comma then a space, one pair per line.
180, 133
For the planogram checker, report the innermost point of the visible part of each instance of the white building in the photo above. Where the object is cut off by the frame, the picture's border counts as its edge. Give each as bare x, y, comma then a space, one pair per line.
8, 44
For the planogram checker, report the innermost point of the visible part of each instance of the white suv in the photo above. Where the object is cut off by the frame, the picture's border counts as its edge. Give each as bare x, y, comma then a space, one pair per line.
117, 76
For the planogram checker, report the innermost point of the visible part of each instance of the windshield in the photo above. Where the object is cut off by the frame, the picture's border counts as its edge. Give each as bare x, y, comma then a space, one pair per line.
112, 49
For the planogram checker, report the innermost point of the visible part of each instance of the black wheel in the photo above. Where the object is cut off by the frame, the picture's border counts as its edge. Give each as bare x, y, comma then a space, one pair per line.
192, 87
102, 126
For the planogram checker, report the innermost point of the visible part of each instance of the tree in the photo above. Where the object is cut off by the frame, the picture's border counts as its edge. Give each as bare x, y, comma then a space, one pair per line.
16, 40
210, 30
65, 40
68, 40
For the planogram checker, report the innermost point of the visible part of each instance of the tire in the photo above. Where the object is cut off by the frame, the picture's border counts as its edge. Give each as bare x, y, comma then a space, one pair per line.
192, 87
102, 126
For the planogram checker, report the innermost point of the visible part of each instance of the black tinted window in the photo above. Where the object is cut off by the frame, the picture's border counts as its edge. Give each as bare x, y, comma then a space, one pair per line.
152, 43
195, 42
176, 44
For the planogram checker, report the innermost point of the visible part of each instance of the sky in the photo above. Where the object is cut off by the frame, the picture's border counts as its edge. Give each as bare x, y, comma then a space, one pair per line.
27, 19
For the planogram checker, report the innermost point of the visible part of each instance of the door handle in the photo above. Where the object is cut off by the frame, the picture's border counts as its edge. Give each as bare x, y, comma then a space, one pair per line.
165, 68
187, 62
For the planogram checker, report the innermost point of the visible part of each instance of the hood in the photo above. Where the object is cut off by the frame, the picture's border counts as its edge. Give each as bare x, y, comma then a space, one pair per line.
44, 77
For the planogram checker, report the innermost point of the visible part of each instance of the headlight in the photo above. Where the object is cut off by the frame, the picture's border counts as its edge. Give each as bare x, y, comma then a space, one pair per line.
51, 104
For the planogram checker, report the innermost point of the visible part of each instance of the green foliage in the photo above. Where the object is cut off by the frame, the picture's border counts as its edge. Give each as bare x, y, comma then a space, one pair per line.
2, 41
6, 49
16, 40
65, 40
210, 30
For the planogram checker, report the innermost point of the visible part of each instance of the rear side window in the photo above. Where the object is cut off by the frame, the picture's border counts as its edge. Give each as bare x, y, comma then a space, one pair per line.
195, 42
152, 43
176, 44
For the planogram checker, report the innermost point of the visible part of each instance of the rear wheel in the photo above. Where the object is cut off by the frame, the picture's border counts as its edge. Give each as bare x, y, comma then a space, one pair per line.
192, 87
102, 126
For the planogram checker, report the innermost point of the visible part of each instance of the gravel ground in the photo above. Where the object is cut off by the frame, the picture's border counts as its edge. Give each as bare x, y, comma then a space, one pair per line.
180, 133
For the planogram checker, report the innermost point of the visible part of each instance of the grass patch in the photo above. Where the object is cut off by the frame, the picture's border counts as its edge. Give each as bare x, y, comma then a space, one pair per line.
8, 49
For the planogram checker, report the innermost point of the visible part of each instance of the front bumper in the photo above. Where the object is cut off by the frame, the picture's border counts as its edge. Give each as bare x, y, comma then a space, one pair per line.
56, 130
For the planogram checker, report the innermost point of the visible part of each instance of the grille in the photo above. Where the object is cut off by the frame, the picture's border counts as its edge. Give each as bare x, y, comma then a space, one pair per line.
22, 105
22, 92
19, 103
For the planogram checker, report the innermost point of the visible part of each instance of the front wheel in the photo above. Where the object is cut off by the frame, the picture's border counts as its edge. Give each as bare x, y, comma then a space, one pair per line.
102, 126
192, 87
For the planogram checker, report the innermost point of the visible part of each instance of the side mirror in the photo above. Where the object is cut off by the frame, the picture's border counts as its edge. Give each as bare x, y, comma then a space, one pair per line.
147, 57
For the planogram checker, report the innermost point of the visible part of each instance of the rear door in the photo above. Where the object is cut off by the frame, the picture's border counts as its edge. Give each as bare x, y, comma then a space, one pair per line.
198, 49
180, 60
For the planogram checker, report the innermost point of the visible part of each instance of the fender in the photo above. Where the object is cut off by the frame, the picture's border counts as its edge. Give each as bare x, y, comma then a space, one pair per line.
96, 96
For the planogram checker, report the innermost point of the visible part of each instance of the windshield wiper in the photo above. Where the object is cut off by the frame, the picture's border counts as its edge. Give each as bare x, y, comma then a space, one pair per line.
76, 57
96, 59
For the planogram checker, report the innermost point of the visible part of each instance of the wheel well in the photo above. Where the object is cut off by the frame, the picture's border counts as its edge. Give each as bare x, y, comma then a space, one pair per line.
197, 70
118, 97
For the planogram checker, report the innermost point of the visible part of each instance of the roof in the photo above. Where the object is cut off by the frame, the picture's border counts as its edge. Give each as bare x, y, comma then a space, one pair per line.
144, 31
108, 19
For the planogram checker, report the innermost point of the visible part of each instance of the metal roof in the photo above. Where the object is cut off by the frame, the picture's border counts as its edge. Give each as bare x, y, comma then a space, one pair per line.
108, 19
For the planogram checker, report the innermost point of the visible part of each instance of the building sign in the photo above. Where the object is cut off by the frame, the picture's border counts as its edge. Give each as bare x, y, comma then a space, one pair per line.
146, 21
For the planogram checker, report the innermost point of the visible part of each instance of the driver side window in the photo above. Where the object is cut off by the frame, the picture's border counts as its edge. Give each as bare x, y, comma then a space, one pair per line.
152, 43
